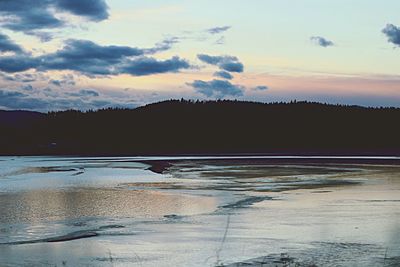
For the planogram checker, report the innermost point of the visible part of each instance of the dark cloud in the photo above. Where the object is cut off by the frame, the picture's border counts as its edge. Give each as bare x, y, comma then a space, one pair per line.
227, 63
84, 93
18, 63
22, 15
232, 66
75, 49
217, 88
55, 82
23, 77
87, 57
7, 45
393, 34
321, 41
92, 59
34, 100
43, 36
18, 100
31, 17
261, 88
215, 60
147, 66
28, 88
223, 74
9, 95
66, 80
95, 10
217, 30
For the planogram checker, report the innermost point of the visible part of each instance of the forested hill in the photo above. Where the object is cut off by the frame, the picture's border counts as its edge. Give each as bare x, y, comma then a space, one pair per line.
180, 127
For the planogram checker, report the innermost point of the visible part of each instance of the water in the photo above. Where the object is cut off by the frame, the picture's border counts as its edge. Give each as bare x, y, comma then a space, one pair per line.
198, 212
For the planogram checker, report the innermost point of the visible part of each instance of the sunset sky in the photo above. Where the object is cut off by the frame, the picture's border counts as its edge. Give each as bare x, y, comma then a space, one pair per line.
89, 54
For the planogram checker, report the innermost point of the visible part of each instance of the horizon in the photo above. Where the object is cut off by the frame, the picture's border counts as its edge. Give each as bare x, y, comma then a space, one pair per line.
94, 54
196, 101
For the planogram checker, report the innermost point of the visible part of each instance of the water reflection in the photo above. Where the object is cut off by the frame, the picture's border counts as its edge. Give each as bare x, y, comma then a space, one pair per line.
34, 206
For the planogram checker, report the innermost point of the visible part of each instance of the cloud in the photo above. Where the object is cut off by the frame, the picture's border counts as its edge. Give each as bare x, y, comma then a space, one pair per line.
220, 41
217, 30
85, 93
223, 74
164, 45
232, 66
89, 93
393, 34
31, 18
22, 15
23, 77
227, 63
47, 99
91, 59
28, 88
96, 10
261, 88
7, 45
217, 88
321, 41
147, 66
215, 60
66, 80
87, 57
55, 82
18, 63
7, 94
18, 100
43, 36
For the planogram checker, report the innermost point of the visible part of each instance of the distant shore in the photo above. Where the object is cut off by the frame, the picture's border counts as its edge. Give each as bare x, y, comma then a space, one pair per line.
180, 127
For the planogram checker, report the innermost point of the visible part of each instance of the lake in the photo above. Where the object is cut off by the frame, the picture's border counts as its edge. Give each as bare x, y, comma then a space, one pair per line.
200, 211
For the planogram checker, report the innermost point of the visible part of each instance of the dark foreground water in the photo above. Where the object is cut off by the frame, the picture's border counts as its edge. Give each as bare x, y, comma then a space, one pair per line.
199, 212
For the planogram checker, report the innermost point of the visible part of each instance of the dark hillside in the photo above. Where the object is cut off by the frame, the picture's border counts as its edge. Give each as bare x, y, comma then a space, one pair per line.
216, 127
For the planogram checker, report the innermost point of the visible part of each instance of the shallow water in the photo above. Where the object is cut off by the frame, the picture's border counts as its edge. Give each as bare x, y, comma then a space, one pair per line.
197, 212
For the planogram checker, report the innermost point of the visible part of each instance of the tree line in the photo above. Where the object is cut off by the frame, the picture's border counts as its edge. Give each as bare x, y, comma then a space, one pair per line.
184, 127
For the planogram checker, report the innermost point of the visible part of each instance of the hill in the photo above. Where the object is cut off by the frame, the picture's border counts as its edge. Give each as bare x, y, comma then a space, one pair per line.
178, 127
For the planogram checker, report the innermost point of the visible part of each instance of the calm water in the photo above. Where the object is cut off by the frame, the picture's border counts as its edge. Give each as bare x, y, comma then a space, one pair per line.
198, 212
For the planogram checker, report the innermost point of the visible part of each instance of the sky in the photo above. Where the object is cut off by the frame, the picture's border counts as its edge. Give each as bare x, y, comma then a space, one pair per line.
92, 54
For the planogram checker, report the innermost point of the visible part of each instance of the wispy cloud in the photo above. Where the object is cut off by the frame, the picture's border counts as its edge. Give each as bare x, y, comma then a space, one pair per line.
261, 88
218, 30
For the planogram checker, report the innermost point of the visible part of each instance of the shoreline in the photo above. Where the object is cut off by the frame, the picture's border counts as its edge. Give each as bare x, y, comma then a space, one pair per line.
158, 164
161, 165
288, 154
